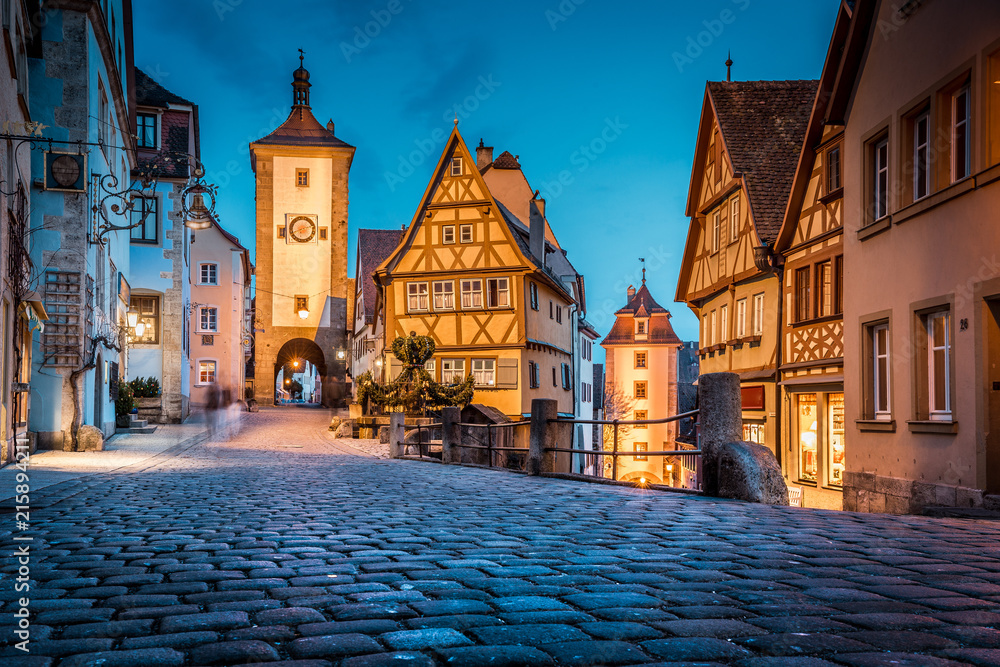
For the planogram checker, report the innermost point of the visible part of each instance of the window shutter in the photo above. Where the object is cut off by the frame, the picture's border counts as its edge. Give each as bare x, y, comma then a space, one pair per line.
506, 373
395, 368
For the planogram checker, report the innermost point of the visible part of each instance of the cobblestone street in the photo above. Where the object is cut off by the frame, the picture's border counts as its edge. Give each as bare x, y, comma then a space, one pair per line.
283, 544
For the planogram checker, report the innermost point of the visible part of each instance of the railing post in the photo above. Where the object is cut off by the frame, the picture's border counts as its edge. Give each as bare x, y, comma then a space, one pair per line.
396, 434
543, 434
451, 434
720, 416
489, 445
614, 459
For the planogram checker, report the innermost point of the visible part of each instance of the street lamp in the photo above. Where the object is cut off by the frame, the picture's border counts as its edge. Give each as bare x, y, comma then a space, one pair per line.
140, 329
133, 317
304, 313
295, 363
341, 354
198, 215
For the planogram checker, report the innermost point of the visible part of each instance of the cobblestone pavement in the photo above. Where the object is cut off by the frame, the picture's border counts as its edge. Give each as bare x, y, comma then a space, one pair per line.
284, 545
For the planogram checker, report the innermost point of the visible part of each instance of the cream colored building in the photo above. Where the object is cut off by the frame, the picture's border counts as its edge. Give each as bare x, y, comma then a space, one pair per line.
641, 365
920, 106
217, 320
302, 286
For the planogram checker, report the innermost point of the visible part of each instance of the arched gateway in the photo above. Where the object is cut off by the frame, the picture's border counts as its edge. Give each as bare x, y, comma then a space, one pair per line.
302, 171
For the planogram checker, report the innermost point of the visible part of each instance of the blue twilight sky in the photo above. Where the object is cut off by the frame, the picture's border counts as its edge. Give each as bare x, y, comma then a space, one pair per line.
607, 92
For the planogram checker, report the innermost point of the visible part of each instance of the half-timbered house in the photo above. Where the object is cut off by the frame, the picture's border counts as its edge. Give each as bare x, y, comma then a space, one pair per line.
494, 294
367, 340
748, 144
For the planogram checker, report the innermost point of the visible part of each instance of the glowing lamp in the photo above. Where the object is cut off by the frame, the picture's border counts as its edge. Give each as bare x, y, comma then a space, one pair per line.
140, 329
295, 363
133, 317
341, 355
199, 216
378, 362
304, 313
642, 480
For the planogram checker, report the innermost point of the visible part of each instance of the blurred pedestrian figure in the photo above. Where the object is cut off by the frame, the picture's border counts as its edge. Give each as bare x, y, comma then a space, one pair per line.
212, 408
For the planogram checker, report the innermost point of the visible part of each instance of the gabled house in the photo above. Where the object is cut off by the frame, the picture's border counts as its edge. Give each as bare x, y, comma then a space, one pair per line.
367, 323
748, 144
487, 286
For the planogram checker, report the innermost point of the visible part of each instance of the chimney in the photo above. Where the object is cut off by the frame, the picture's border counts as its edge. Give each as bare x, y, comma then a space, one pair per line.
484, 155
536, 230
631, 292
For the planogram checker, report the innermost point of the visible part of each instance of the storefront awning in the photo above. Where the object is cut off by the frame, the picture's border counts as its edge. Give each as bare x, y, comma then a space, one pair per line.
813, 379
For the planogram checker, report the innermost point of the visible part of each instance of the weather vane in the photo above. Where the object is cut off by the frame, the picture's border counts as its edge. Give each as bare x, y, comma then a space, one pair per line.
643, 260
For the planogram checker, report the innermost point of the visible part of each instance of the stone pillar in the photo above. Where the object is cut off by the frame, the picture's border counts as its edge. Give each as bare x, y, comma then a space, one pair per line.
720, 417
543, 435
451, 435
396, 434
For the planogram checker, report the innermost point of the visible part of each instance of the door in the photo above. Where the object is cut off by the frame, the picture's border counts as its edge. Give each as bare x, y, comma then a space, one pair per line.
991, 342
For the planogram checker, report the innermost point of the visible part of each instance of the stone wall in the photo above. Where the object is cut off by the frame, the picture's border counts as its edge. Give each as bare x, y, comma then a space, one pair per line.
868, 492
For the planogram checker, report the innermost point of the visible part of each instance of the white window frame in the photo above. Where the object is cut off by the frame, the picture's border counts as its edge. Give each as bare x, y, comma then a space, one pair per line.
472, 296
880, 187
465, 233
213, 269
758, 314
215, 372
456, 166
716, 230
741, 318
448, 234
452, 371
713, 331
879, 392
417, 297
724, 322
921, 156
444, 298
734, 219
502, 292
485, 372
960, 171
641, 326
938, 412
202, 312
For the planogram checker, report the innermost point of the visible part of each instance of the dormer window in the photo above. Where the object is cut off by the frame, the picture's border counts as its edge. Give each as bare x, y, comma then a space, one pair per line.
640, 326
456, 166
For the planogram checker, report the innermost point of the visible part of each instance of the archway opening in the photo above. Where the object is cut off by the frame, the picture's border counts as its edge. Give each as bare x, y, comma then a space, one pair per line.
299, 373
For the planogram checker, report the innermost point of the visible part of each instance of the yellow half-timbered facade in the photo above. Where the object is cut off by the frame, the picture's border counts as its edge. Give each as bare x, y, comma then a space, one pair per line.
748, 143
483, 284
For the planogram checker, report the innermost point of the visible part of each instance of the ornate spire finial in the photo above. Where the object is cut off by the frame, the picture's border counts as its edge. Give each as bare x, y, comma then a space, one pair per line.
300, 83
456, 119
729, 65
643, 260
302, 58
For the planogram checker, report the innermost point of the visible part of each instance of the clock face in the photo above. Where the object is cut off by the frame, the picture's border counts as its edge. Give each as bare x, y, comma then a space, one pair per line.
302, 230
65, 171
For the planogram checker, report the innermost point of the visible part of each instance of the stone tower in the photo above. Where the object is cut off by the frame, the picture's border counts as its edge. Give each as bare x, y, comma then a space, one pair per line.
302, 171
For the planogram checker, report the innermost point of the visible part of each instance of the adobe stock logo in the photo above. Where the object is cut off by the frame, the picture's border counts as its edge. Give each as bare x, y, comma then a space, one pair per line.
696, 44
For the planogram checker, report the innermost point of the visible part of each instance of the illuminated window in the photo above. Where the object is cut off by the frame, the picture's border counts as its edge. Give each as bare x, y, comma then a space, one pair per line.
149, 316
640, 447
807, 424
824, 286
639, 415
206, 372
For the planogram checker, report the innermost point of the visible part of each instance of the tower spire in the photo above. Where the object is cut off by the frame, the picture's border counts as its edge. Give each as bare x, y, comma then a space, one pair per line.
729, 65
643, 260
300, 83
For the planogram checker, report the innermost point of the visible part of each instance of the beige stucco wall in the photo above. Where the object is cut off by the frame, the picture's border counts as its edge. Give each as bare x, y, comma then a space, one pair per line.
945, 253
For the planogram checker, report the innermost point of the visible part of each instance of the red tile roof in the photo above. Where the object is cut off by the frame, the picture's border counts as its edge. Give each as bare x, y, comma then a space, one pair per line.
374, 246
659, 331
302, 129
506, 161
763, 124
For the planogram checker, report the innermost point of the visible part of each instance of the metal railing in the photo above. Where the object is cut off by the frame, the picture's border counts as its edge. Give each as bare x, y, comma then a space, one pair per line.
490, 447
421, 441
615, 453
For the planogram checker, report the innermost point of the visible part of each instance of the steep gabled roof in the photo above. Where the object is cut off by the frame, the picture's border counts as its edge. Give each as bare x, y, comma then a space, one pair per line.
374, 246
149, 93
763, 124
642, 300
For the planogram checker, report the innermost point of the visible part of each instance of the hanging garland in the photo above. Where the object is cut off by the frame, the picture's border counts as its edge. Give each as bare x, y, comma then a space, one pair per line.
414, 390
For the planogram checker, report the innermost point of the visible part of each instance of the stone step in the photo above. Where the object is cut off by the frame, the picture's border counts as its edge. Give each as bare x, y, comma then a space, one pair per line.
135, 422
136, 429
